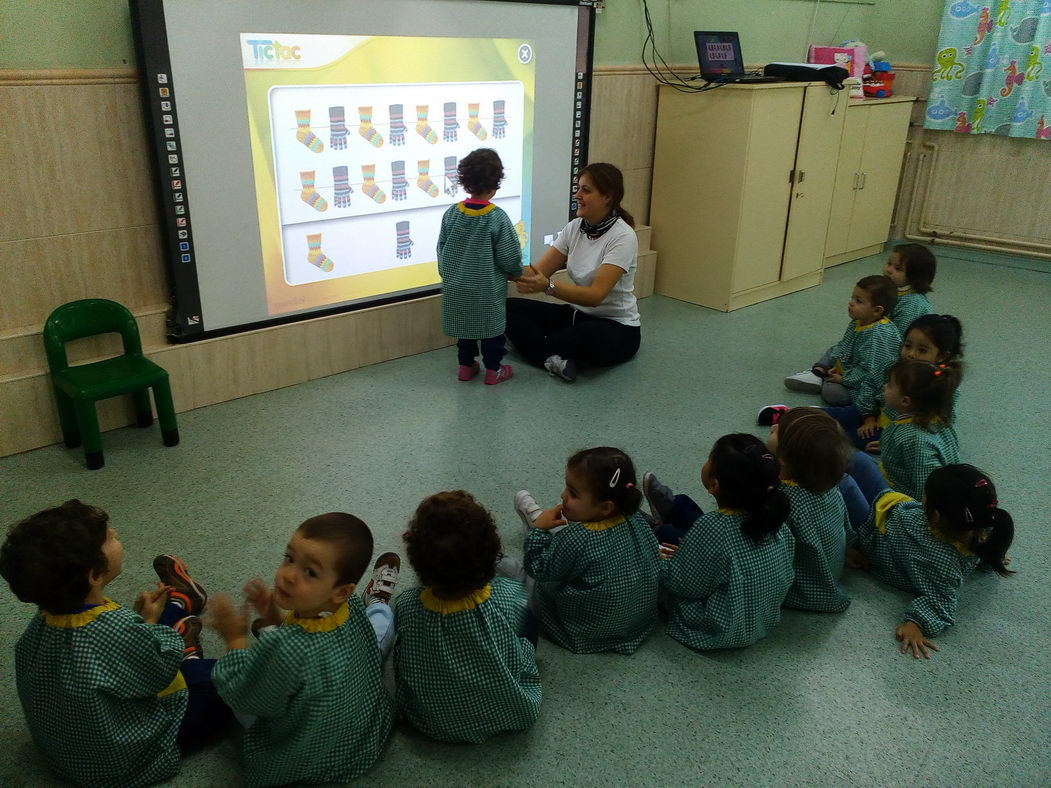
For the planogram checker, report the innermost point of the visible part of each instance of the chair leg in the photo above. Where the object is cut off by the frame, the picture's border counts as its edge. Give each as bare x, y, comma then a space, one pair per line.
162, 395
143, 411
67, 418
89, 428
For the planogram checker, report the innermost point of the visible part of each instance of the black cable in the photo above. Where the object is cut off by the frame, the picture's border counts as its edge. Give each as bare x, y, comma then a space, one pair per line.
670, 78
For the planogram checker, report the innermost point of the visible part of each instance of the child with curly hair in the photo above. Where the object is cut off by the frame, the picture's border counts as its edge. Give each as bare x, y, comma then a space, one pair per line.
478, 252
464, 667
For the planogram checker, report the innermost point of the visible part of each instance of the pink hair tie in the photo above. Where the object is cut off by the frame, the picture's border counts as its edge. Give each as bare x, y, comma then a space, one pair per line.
629, 485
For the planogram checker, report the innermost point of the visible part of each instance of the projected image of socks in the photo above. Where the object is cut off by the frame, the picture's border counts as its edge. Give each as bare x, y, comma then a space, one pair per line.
309, 194
304, 134
337, 128
423, 128
403, 249
399, 187
424, 181
473, 126
343, 190
366, 130
452, 183
368, 184
314, 254
397, 125
520, 231
499, 121
449, 130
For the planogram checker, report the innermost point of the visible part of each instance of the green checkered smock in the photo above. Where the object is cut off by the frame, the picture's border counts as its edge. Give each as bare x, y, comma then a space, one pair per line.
596, 583
478, 251
908, 307
909, 452
904, 552
102, 695
819, 523
316, 688
863, 356
462, 672
722, 589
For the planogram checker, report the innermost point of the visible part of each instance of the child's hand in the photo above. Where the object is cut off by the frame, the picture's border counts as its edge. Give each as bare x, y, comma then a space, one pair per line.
872, 447
260, 597
667, 550
911, 637
549, 518
150, 604
833, 377
868, 427
230, 623
855, 559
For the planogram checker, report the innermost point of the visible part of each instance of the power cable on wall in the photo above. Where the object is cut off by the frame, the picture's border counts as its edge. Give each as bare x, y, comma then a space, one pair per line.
658, 67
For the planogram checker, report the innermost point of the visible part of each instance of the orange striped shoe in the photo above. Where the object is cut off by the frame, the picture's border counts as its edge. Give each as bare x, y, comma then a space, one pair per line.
190, 630
185, 592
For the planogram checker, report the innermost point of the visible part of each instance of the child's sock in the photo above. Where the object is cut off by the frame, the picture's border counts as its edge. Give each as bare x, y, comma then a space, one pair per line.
403, 249
337, 128
366, 130
424, 181
343, 189
185, 592
314, 254
368, 184
399, 187
473, 126
423, 128
449, 130
397, 125
304, 133
309, 194
451, 183
499, 121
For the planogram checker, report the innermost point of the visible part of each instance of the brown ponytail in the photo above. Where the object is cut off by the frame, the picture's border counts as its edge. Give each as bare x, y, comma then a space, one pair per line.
610, 183
929, 386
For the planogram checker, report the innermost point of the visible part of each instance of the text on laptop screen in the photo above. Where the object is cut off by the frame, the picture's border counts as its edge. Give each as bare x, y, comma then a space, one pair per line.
719, 53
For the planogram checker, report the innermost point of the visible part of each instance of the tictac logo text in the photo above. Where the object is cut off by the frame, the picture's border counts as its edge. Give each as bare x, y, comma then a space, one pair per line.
266, 50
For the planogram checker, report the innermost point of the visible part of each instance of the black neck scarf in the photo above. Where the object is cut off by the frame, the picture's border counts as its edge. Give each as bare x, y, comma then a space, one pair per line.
594, 231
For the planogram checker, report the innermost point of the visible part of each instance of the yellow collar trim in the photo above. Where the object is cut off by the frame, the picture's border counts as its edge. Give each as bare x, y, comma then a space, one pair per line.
960, 547
75, 620
790, 482
905, 291
603, 525
447, 606
903, 420
882, 321
475, 211
723, 510
327, 624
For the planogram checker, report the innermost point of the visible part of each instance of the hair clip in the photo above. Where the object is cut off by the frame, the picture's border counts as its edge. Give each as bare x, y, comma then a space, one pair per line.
770, 488
937, 372
967, 515
981, 483
615, 478
629, 485
768, 456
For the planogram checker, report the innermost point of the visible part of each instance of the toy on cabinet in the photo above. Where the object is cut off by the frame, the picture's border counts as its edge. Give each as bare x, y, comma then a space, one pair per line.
878, 81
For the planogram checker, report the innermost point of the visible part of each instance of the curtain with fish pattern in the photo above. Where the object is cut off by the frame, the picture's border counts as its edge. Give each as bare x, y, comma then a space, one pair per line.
992, 73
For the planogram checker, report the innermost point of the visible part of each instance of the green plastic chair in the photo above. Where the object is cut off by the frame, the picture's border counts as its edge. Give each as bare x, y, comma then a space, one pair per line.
78, 388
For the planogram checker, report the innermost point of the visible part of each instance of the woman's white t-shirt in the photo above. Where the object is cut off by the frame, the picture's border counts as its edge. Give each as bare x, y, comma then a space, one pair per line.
618, 246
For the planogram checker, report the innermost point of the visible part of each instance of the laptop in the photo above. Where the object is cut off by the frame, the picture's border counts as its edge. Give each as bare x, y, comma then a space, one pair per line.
719, 55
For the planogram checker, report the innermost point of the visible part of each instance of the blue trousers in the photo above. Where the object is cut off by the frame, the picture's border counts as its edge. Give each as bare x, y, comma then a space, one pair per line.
850, 419
493, 350
684, 513
857, 505
869, 478
206, 715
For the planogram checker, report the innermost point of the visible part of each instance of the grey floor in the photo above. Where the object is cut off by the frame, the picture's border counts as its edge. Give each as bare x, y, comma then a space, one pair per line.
824, 700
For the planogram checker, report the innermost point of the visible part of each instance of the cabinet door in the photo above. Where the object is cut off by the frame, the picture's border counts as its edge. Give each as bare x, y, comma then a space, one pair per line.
817, 156
885, 134
847, 178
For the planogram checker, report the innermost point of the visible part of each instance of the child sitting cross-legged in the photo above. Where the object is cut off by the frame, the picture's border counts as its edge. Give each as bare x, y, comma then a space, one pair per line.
911, 267
463, 666
593, 557
929, 547
814, 454
111, 695
726, 573
310, 691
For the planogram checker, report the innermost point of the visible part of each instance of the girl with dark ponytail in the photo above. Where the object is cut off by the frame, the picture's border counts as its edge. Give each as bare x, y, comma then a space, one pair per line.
928, 548
726, 580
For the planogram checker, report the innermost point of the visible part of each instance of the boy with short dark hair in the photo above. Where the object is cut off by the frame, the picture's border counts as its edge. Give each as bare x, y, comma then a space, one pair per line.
310, 691
110, 695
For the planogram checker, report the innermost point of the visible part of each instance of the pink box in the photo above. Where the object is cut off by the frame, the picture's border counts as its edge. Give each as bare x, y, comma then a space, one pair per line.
851, 58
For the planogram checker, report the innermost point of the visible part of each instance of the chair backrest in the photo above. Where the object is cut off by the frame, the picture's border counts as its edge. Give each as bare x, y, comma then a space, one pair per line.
87, 318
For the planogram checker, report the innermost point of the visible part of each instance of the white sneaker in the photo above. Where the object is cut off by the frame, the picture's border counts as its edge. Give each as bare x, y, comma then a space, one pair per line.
384, 579
527, 507
565, 368
806, 382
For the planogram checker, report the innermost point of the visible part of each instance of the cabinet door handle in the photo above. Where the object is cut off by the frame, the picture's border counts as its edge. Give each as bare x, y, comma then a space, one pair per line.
857, 178
802, 175
864, 177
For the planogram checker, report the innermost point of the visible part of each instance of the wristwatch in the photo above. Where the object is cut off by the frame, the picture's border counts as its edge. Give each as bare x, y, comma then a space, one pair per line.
550, 289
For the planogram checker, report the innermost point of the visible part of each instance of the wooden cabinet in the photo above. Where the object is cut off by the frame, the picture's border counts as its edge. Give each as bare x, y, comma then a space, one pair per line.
870, 160
743, 181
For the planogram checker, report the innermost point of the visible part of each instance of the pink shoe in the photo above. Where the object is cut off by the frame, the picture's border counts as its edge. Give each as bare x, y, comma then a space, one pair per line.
468, 373
494, 376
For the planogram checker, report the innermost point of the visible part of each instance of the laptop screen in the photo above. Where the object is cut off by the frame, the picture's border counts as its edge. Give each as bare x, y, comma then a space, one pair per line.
719, 54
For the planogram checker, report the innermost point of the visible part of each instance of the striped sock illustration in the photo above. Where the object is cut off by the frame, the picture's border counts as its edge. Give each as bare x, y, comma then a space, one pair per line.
314, 254
343, 190
473, 126
309, 194
304, 133
423, 128
424, 181
366, 130
368, 184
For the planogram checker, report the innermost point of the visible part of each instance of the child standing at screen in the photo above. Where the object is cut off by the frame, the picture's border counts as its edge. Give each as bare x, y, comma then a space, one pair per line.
478, 251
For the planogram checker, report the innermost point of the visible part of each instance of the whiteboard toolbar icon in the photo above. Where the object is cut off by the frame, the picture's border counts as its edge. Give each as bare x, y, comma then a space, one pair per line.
525, 54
